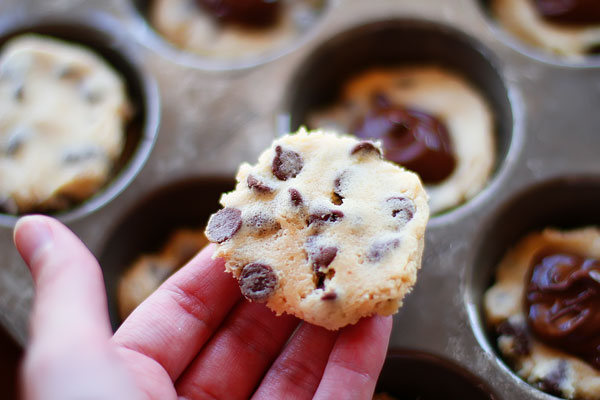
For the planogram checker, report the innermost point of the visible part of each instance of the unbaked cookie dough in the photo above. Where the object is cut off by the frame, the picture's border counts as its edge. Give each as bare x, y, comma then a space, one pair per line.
521, 18
323, 228
547, 367
190, 27
444, 97
149, 271
62, 122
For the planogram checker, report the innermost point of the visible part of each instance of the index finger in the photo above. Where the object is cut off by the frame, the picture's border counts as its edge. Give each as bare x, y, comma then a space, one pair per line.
172, 325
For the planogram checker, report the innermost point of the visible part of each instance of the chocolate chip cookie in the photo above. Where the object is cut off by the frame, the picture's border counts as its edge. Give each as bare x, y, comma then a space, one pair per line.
322, 227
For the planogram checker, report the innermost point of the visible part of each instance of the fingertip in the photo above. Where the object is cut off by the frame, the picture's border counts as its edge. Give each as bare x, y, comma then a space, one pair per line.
31, 234
379, 324
384, 322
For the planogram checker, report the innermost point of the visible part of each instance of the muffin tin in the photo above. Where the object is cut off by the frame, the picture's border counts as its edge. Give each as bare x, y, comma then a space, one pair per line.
213, 118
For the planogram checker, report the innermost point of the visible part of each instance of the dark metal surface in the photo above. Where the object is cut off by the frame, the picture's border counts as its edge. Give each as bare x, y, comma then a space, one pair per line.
548, 170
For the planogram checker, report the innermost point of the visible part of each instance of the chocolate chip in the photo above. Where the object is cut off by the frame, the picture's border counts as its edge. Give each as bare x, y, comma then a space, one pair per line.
519, 334
320, 283
262, 223
91, 94
295, 197
337, 199
403, 209
323, 257
337, 184
70, 72
224, 224
380, 99
257, 281
93, 97
253, 14
365, 147
336, 196
380, 249
81, 155
15, 143
551, 383
257, 185
572, 12
329, 296
320, 257
19, 93
325, 216
286, 164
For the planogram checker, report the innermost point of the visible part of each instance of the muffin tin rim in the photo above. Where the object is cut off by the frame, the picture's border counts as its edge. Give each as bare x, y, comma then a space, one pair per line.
107, 27
445, 363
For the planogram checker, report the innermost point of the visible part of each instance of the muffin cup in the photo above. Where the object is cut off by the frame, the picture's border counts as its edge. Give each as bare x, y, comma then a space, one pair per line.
105, 37
409, 374
592, 60
138, 11
564, 203
319, 80
184, 204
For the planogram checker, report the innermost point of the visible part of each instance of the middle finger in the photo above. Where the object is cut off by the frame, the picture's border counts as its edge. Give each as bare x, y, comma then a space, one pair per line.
231, 365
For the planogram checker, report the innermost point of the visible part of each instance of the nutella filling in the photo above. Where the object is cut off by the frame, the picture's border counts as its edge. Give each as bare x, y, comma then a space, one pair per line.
411, 138
562, 303
570, 11
252, 13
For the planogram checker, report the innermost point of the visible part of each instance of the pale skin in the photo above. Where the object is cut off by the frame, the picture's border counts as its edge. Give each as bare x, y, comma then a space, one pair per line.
194, 338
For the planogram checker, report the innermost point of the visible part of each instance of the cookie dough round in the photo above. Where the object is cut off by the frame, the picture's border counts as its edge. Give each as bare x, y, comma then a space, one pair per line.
440, 93
521, 18
323, 228
149, 271
547, 368
62, 123
186, 25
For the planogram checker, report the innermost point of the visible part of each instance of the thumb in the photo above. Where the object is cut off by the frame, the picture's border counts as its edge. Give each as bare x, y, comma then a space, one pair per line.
70, 298
69, 355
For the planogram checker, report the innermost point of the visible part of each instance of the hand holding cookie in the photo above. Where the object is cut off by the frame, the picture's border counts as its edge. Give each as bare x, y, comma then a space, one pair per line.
194, 337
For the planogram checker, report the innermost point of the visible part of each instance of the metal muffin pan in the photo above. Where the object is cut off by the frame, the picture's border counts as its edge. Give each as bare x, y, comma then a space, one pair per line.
548, 171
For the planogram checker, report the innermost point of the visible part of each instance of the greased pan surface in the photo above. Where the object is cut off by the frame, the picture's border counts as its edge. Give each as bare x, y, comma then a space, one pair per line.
547, 170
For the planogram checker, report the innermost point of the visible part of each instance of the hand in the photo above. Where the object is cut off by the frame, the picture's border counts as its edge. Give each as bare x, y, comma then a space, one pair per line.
195, 337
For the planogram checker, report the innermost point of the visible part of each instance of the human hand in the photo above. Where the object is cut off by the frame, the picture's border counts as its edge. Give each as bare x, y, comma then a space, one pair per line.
194, 338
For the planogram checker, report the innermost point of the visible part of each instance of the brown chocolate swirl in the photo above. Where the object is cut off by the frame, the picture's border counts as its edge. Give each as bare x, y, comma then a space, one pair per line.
411, 138
563, 303
252, 13
585, 12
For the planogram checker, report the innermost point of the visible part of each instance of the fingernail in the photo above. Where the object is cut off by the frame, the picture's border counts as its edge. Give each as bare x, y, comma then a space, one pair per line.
31, 234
